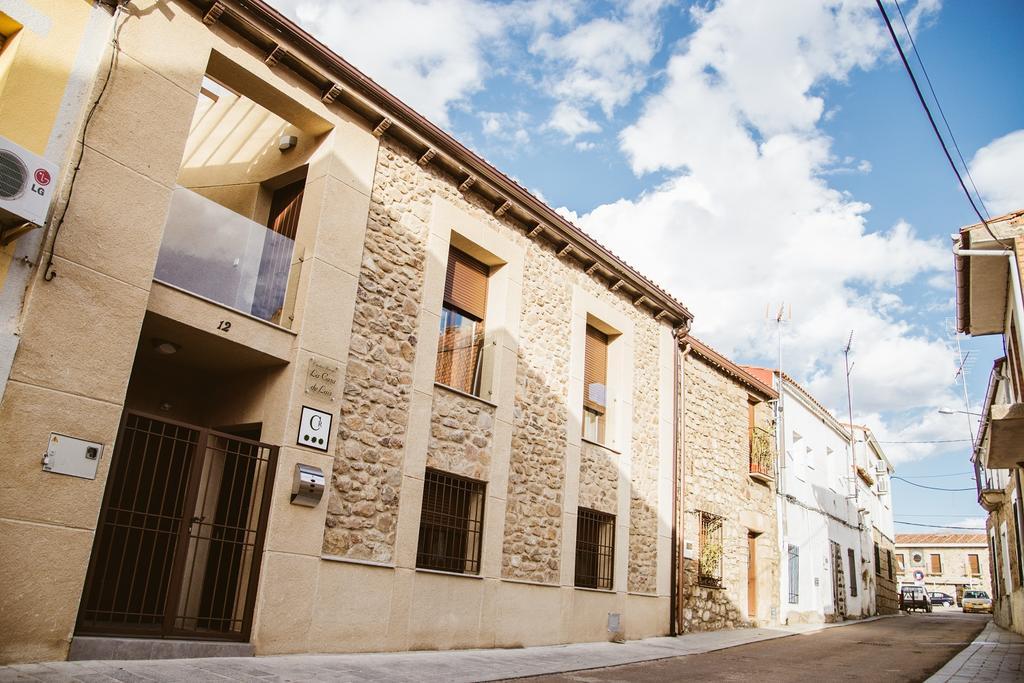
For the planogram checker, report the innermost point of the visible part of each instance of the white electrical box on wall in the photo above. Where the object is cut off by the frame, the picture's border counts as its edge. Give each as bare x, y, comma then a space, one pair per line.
71, 456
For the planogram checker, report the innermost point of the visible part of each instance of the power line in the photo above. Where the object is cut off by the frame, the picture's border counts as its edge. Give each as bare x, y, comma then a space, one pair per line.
939, 526
932, 441
938, 476
935, 128
938, 104
933, 488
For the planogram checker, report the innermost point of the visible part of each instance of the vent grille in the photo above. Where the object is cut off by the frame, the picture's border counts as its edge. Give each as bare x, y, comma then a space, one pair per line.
13, 175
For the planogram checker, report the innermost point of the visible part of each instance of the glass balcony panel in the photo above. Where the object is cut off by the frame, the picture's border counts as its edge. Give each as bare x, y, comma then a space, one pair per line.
218, 254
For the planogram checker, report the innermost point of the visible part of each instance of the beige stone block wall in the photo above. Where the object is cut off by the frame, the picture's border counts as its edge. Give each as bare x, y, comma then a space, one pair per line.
716, 470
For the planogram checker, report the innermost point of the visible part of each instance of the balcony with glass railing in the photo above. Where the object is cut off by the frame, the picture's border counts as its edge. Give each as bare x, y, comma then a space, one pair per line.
220, 255
762, 454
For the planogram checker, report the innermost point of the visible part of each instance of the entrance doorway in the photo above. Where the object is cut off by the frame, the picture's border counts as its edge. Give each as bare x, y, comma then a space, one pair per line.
752, 576
180, 534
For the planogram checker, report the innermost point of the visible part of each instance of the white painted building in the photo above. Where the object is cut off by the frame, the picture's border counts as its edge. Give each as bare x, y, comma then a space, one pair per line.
829, 517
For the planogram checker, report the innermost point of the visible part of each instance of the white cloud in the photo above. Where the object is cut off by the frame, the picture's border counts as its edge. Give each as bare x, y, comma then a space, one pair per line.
432, 57
585, 145
746, 219
571, 121
998, 169
506, 127
603, 61
971, 523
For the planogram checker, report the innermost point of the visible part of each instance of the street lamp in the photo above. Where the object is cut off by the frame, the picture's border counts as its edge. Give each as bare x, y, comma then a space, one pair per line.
950, 411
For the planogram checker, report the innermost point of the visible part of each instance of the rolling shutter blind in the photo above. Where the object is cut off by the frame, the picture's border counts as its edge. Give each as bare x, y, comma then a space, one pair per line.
595, 370
465, 284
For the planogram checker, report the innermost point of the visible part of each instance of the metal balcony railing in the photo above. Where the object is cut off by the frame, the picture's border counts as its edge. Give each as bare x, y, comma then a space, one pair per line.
762, 452
210, 250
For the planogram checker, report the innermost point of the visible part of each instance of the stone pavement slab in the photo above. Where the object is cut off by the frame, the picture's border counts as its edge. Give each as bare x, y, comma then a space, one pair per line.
995, 655
451, 665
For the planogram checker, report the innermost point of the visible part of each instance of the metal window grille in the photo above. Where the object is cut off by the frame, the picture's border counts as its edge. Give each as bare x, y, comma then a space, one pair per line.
878, 561
853, 572
709, 565
762, 452
451, 524
595, 549
888, 557
794, 574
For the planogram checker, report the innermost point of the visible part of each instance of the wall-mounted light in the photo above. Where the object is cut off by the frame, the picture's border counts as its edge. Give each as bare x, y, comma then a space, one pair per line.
166, 348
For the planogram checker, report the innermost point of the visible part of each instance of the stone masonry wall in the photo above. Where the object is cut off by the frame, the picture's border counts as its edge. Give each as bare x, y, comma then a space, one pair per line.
365, 485
599, 479
716, 469
533, 516
461, 433
363, 506
643, 502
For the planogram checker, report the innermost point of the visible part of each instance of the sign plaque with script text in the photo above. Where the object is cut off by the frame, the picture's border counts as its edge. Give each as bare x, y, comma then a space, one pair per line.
321, 378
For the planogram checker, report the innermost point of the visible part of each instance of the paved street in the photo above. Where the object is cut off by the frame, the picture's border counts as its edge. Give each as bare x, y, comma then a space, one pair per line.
902, 649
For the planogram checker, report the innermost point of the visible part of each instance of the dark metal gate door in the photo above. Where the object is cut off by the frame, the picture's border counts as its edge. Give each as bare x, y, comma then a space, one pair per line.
180, 536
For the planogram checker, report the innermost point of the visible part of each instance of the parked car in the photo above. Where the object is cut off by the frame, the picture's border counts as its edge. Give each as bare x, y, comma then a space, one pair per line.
939, 598
915, 598
977, 601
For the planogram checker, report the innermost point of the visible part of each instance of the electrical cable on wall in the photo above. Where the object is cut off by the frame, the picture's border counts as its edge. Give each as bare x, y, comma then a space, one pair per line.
48, 271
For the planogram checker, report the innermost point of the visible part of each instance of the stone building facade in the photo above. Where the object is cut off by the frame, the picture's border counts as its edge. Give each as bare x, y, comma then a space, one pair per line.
948, 563
227, 125
726, 411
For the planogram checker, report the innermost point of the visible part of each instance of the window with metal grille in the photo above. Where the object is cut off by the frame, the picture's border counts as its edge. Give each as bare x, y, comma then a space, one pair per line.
595, 384
974, 563
935, 562
451, 524
595, 549
461, 338
878, 561
1017, 541
853, 572
888, 558
794, 574
709, 561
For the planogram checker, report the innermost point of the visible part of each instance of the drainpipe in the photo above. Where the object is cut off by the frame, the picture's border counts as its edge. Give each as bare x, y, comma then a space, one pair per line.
1018, 295
678, 486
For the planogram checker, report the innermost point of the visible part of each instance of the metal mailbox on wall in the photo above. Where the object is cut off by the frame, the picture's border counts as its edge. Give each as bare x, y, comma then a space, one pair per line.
307, 485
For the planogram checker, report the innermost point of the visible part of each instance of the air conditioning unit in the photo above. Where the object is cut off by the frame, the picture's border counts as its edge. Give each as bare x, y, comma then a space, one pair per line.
27, 185
883, 484
880, 467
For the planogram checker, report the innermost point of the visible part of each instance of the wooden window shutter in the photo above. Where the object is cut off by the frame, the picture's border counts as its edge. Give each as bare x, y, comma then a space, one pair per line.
285, 207
595, 370
975, 565
936, 562
465, 284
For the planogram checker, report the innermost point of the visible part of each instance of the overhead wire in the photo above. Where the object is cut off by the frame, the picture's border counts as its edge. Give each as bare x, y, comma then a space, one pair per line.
938, 104
931, 441
940, 526
935, 127
933, 488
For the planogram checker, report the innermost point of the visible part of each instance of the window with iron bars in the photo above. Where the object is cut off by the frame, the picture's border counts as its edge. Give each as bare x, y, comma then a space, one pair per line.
709, 563
451, 524
595, 549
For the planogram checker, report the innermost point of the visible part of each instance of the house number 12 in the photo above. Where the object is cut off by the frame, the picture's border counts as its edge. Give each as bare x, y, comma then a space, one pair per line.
224, 325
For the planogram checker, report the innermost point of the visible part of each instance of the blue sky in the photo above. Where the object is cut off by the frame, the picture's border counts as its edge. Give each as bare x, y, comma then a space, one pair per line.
744, 154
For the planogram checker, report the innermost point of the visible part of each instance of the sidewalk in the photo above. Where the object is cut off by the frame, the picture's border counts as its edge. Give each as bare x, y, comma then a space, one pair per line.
995, 655
452, 665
